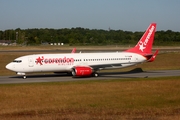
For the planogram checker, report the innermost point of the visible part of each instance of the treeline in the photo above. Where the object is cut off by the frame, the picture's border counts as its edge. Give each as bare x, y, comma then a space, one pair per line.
82, 36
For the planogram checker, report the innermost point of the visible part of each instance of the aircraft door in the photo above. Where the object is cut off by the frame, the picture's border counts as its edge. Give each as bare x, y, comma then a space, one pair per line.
30, 62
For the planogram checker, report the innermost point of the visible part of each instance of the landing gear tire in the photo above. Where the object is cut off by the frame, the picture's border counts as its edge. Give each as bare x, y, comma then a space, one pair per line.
24, 77
95, 74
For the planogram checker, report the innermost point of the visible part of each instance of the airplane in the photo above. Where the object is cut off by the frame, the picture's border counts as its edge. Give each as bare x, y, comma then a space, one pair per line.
87, 64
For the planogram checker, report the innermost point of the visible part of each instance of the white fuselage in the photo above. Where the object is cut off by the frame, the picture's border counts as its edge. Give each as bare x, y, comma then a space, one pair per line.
65, 62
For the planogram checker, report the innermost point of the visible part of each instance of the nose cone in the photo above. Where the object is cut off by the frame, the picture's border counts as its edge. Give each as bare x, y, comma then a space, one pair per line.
9, 66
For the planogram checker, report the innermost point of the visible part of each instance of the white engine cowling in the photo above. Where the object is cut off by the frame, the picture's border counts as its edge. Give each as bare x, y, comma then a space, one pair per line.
82, 71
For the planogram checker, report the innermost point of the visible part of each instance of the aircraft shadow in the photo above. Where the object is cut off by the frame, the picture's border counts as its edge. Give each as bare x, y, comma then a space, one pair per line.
101, 74
136, 70
42, 75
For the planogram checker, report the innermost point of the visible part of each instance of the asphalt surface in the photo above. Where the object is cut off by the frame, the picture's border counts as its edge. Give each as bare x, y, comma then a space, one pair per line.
102, 76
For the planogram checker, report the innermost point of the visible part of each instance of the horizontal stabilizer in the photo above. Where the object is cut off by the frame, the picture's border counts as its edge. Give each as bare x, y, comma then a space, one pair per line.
153, 57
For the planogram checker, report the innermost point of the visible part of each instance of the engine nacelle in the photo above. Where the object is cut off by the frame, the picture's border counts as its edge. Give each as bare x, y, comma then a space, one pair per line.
82, 71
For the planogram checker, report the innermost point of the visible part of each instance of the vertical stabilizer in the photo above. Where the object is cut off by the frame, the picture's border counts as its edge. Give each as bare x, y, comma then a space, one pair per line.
144, 45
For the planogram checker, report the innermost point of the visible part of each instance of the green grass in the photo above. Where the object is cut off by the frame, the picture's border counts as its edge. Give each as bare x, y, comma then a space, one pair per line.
110, 99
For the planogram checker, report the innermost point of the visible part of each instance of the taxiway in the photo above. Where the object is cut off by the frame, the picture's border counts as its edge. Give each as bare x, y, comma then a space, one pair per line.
103, 76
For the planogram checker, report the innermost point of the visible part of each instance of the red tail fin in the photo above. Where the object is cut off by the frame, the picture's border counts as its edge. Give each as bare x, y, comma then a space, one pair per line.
144, 45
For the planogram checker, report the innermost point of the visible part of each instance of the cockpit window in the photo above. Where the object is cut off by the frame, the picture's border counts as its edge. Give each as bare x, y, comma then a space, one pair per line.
17, 61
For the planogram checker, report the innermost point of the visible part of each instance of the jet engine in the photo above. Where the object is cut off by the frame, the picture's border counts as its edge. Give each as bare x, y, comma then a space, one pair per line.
82, 71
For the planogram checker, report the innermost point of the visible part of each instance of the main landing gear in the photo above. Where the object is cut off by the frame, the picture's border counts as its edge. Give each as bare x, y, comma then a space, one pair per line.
95, 74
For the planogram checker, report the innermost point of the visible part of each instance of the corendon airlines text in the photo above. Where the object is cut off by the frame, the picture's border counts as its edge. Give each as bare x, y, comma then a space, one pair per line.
59, 61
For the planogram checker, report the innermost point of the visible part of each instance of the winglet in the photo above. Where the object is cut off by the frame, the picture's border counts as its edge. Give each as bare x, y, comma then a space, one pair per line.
144, 45
73, 50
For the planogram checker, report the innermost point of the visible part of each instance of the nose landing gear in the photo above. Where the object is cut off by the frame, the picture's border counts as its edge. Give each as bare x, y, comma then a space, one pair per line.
24, 77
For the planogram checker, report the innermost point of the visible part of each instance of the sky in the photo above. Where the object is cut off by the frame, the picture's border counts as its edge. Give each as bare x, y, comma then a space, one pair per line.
127, 15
